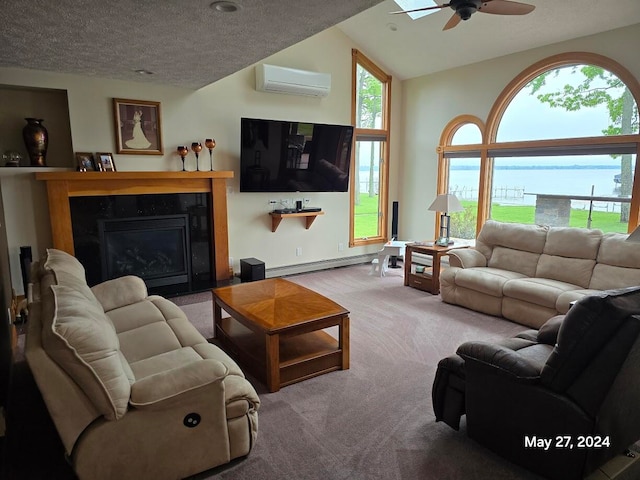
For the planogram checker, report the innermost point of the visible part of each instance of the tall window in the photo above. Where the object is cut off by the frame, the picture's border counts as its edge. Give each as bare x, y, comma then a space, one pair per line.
560, 148
369, 172
463, 180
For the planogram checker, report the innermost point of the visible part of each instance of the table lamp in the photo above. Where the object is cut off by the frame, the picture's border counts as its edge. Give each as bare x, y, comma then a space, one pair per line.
445, 203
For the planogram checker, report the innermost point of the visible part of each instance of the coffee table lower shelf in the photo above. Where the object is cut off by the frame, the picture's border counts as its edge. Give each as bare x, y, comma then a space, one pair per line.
301, 356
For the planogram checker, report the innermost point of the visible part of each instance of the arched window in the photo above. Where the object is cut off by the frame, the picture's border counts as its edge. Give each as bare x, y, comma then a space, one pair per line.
561, 147
462, 172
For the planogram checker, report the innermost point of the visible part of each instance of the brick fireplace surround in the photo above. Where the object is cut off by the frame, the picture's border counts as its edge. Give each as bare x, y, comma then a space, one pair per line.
63, 185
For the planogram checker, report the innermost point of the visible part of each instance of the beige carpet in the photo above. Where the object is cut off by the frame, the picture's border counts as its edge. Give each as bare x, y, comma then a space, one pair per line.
375, 420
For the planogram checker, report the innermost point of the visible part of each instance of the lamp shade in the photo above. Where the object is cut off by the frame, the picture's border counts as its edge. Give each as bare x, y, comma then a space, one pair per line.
446, 202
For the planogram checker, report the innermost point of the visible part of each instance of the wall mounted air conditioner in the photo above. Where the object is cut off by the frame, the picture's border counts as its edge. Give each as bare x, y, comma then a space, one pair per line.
274, 79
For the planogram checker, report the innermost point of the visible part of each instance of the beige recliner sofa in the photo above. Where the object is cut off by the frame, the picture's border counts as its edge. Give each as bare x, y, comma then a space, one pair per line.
134, 390
530, 273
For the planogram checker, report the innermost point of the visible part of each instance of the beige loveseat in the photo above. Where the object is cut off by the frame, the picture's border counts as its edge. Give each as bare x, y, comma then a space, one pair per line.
529, 273
134, 390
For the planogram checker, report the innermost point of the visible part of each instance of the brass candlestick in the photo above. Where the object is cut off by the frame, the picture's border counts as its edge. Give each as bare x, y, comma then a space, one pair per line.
197, 148
182, 151
211, 144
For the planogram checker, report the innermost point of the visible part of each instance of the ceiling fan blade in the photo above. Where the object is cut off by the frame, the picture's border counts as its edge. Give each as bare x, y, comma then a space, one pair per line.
505, 7
424, 9
453, 21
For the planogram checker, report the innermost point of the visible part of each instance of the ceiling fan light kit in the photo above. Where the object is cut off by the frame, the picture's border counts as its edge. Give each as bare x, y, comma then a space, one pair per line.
465, 8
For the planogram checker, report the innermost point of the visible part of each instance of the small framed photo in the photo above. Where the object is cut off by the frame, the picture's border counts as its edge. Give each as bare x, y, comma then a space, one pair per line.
105, 162
85, 162
137, 127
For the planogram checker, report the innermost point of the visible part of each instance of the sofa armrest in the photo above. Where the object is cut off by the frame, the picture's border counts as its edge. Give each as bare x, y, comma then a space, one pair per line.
120, 292
548, 332
167, 385
466, 258
502, 359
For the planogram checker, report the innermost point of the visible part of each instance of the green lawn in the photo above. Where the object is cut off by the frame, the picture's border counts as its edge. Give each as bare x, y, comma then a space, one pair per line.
366, 220
605, 221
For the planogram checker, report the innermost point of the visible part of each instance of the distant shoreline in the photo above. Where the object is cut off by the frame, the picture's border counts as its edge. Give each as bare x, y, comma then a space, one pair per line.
538, 167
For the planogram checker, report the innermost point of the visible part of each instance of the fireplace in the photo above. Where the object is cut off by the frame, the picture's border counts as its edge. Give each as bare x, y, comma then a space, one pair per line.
163, 238
157, 249
78, 200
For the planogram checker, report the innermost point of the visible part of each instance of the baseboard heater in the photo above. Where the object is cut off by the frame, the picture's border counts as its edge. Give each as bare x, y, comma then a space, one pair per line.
321, 265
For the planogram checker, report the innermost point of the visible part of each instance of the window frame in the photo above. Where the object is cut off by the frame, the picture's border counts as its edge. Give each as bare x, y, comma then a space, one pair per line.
371, 134
489, 133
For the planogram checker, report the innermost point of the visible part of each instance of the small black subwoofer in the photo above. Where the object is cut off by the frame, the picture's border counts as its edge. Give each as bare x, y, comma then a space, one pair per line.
251, 269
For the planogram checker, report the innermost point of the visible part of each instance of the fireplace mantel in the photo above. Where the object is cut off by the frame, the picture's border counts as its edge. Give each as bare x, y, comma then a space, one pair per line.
62, 185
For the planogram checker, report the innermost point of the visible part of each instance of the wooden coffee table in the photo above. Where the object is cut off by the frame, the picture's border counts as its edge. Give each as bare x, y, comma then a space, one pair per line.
275, 330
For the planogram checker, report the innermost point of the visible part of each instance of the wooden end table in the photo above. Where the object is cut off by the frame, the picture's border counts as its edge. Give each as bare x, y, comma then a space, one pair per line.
275, 330
429, 281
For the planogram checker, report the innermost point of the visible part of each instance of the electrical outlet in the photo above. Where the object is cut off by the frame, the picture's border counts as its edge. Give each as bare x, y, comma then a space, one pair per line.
298, 251
341, 247
285, 203
306, 202
273, 202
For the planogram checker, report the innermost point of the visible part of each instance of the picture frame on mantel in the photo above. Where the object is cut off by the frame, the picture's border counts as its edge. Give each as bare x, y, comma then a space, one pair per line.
85, 162
138, 127
105, 162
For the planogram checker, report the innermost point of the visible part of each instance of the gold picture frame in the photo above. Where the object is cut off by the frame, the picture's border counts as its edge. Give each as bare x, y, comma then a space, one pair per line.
85, 162
105, 163
138, 127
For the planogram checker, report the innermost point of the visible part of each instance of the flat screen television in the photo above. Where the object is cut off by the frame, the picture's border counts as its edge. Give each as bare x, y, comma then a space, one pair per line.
282, 156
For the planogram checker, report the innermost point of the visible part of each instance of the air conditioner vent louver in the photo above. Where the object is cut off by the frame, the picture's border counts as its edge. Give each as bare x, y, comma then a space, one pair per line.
274, 79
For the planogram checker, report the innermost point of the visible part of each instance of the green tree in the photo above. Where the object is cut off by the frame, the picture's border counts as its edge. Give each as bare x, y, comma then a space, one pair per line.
369, 108
597, 87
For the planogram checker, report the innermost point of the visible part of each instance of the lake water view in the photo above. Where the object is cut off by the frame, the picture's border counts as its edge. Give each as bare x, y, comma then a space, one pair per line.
514, 185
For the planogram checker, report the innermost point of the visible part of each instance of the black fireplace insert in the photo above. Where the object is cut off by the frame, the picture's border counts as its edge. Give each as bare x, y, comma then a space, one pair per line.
153, 248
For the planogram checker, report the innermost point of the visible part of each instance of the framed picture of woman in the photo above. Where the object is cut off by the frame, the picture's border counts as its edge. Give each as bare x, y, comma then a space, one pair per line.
137, 127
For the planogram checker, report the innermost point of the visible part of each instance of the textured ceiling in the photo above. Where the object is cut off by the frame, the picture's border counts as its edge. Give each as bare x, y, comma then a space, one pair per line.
183, 42
187, 43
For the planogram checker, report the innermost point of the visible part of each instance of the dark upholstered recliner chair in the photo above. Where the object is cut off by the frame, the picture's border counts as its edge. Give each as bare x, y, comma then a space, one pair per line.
579, 375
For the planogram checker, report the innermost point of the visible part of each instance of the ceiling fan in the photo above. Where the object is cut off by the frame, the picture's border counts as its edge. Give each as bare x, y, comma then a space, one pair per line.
465, 8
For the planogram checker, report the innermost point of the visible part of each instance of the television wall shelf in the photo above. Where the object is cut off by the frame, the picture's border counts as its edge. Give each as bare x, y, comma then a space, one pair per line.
276, 218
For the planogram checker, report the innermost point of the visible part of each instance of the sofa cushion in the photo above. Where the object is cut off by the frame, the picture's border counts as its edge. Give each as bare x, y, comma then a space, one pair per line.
83, 342
485, 279
528, 238
566, 299
68, 272
164, 361
515, 260
618, 263
577, 271
541, 291
573, 242
616, 251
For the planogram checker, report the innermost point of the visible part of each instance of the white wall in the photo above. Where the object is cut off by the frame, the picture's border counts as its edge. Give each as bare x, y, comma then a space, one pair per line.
215, 111
430, 102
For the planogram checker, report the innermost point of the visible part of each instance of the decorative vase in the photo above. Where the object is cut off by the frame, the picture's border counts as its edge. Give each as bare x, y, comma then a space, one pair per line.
36, 139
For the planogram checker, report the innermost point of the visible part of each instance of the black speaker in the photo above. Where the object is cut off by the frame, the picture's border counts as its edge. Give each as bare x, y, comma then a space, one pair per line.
394, 221
25, 267
394, 233
251, 269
